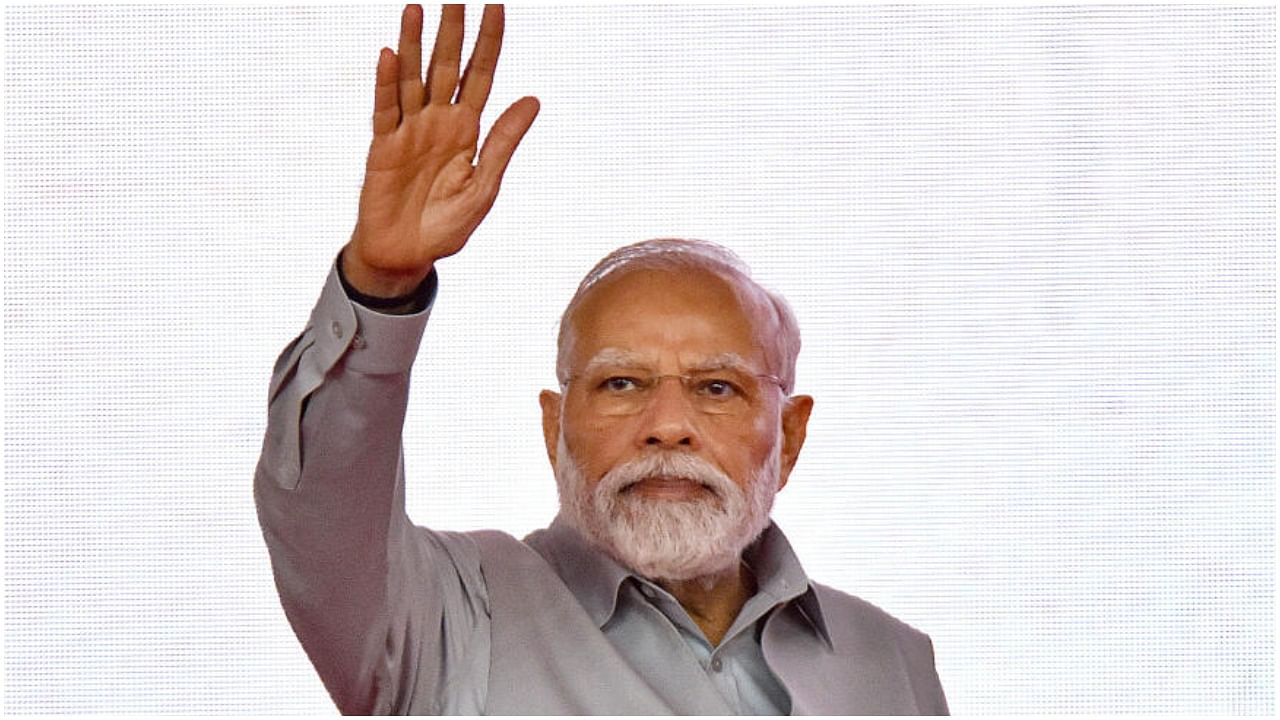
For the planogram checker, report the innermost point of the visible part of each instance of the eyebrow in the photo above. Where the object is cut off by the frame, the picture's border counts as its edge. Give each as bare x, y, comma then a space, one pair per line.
629, 358
723, 361
613, 356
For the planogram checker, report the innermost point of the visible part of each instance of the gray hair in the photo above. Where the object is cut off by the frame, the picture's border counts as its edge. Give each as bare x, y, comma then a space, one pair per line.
674, 254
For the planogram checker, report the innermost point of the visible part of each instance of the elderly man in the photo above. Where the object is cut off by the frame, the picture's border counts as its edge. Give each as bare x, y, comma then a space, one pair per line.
662, 586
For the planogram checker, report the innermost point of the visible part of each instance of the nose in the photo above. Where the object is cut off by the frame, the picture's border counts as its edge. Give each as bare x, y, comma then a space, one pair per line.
668, 420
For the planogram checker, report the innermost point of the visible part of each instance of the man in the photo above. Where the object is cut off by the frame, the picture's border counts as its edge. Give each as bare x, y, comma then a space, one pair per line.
661, 587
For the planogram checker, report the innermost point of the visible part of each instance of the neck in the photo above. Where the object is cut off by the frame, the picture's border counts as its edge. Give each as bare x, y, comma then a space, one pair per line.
714, 601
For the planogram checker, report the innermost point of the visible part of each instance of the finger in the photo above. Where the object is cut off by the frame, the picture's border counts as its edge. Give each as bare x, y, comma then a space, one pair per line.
386, 100
506, 134
411, 90
442, 75
478, 78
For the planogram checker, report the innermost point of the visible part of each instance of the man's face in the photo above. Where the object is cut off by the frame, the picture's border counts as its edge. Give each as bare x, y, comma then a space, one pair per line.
671, 406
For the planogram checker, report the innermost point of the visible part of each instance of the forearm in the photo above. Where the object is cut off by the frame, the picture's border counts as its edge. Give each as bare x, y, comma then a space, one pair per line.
329, 489
345, 350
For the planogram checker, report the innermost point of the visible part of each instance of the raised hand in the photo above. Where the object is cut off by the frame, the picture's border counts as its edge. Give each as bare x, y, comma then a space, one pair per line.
422, 195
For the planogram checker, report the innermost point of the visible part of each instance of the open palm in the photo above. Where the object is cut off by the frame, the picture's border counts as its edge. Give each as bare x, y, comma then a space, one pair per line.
422, 195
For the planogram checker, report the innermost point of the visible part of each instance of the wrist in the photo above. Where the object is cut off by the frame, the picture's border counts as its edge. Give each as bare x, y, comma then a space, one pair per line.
373, 282
415, 300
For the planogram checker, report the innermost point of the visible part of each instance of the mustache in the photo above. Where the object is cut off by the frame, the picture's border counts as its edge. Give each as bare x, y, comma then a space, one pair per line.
668, 465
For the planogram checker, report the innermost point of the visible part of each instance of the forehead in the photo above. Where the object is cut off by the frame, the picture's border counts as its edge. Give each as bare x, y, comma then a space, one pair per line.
685, 316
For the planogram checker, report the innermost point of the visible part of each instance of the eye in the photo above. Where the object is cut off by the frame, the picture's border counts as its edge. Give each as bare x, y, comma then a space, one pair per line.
620, 384
718, 389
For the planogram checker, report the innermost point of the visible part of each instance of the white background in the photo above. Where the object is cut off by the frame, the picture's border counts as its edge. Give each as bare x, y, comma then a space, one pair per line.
1032, 252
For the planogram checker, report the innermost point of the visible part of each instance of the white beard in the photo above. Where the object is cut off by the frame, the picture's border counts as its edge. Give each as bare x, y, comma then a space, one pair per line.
668, 539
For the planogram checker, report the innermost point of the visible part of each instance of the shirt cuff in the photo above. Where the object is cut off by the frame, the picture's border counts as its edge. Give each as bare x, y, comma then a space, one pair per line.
368, 341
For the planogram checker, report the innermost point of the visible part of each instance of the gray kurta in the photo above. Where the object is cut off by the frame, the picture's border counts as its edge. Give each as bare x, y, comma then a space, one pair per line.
401, 619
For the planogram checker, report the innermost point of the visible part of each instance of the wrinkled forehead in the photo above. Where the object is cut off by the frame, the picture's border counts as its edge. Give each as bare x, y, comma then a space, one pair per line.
705, 316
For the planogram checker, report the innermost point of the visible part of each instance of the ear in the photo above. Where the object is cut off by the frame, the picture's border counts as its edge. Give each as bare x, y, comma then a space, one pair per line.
550, 402
795, 421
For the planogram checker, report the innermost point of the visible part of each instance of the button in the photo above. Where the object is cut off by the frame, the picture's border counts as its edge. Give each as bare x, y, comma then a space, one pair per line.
647, 591
337, 329
357, 342
716, 665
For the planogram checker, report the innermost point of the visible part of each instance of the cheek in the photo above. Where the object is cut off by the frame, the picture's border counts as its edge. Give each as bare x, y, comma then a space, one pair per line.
740, 451
766, 424
596, 445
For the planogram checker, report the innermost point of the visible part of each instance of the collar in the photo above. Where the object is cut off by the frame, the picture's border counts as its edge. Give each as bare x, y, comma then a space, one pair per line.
596, 579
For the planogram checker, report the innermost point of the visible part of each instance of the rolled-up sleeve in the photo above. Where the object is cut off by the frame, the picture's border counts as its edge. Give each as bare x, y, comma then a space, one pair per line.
393, 617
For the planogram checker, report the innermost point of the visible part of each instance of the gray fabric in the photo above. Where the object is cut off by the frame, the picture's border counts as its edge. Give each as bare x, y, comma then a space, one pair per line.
655, 635
400, 619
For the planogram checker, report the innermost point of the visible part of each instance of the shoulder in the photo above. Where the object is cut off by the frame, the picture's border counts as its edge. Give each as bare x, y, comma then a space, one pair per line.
495, 542
479, 546
504, 557
859, 628
854, 622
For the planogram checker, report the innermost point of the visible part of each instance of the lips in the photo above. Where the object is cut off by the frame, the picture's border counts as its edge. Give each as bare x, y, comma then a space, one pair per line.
669, 487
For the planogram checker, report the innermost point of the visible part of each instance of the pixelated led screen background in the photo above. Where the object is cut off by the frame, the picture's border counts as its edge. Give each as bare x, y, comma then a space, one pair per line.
1032, 251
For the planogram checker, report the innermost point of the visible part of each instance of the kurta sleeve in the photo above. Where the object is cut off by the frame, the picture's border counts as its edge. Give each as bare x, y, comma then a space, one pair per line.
394, 617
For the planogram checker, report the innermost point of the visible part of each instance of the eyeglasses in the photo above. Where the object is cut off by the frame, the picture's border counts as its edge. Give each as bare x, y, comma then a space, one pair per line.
617, 391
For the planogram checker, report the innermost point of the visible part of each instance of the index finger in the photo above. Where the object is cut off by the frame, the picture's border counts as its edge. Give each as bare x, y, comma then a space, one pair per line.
478, 79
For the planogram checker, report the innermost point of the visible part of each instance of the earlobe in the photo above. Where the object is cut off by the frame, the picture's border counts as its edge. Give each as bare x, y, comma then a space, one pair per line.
550, 402
795, 422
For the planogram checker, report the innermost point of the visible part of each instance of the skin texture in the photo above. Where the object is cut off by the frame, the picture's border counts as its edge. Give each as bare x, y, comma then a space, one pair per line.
677, 320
